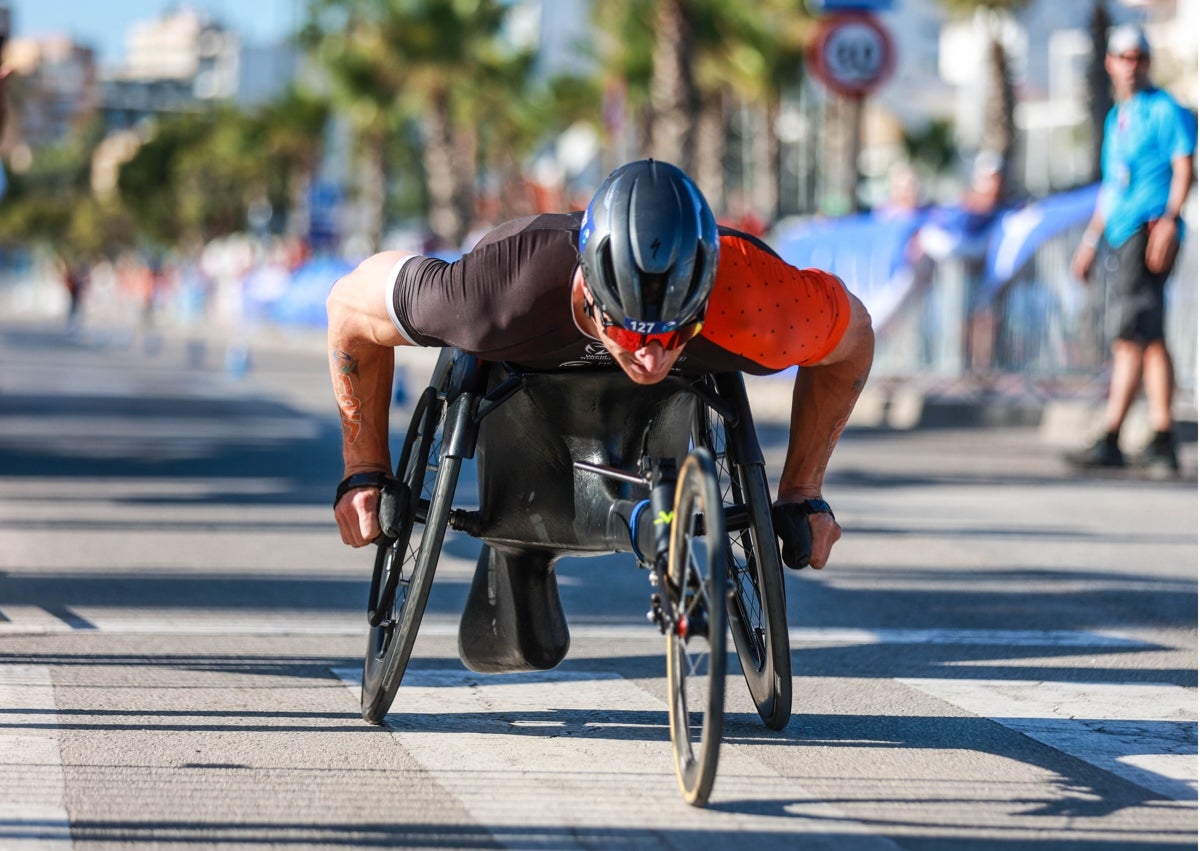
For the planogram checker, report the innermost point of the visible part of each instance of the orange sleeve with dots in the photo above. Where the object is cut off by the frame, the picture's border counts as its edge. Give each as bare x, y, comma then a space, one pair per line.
771, 312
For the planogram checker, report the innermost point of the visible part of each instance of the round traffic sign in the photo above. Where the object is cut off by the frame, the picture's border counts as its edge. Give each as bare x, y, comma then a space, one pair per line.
852, 54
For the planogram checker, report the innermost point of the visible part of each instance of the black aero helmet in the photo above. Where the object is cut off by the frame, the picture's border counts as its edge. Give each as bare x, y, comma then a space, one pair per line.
648, 247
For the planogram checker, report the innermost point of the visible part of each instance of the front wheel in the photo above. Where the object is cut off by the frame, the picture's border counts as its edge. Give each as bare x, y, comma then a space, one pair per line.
696, 583
404, 567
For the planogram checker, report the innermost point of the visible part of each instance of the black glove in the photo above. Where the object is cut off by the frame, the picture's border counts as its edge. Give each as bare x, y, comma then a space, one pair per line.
394, 498
791, 526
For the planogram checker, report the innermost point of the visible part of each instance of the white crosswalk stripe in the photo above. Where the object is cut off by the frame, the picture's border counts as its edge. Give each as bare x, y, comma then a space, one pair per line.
511, 759
32, 786
35, 621
461, 726
1145, 733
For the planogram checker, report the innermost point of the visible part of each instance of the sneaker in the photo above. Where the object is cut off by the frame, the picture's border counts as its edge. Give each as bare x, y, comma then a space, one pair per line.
1102, 453
1158, 459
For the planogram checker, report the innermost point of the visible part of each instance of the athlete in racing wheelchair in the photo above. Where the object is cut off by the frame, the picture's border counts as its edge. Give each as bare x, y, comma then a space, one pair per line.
596, 337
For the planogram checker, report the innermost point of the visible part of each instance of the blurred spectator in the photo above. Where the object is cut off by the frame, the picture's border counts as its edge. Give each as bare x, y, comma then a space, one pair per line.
74, 278
742, 216
984, 194
487, 216
964, 233
1146, 165
964, 230
904, 194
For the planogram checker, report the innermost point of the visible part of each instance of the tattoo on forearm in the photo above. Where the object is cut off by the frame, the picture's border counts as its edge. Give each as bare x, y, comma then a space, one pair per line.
344, 362
345, 367
833, 440
859, 383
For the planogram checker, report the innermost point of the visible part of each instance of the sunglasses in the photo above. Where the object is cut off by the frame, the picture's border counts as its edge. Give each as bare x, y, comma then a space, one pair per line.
631, 340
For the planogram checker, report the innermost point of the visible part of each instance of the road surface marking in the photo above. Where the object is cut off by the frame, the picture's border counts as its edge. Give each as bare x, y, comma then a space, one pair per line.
32, 786
1144, 733
527, 750
800, 636
35, 620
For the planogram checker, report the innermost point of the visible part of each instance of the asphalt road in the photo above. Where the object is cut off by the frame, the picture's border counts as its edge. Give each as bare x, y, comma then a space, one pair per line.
1002, 655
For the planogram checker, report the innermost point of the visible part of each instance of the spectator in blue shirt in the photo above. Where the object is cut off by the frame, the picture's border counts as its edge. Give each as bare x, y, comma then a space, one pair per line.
1146, 163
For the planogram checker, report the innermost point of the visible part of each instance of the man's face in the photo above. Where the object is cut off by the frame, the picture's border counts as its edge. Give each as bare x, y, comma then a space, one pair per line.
1130, 72
648, 365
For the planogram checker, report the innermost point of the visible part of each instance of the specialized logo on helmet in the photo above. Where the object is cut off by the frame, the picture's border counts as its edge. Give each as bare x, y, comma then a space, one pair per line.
585, 228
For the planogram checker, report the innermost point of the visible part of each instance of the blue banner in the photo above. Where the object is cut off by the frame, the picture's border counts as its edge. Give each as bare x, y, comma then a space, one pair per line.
1020, 232
875, 254
870, 253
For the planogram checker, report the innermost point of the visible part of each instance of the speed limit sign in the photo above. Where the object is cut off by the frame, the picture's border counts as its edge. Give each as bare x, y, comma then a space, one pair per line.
852, 54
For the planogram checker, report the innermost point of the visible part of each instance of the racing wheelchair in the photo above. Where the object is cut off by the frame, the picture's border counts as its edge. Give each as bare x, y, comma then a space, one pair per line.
584, 462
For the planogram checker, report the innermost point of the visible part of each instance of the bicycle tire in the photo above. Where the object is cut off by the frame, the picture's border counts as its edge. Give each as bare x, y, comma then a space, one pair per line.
758, 604
417, 443
696, 643
433, 477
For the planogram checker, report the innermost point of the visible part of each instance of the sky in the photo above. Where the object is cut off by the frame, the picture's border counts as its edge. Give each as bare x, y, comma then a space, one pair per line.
103, 24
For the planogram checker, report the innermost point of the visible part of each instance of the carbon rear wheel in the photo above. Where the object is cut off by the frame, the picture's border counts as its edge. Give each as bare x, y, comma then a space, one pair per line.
757, 605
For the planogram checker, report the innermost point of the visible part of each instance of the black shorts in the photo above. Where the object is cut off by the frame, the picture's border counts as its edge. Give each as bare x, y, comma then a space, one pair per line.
1138, 292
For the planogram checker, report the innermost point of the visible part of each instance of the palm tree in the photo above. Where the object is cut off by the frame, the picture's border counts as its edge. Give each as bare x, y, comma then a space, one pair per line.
625, 53
748, 55
391, 60
999, 130
686, 64
1099, 93
292, 128
674, 98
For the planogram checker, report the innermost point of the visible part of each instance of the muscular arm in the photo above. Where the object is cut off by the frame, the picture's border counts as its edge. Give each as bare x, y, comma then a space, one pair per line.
361, 341
822, 399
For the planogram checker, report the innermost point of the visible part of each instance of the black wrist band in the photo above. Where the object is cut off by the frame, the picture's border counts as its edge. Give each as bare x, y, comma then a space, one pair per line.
817, 506
373, 479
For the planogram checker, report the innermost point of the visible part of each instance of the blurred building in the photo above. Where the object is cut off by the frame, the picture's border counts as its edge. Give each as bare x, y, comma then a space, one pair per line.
265, 71
180, 62
185, 62
59, 89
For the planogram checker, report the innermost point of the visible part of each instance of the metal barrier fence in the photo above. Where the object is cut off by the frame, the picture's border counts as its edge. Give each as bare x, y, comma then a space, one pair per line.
1043, 331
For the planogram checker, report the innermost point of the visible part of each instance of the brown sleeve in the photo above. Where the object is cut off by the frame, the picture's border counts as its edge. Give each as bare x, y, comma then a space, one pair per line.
504, 293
